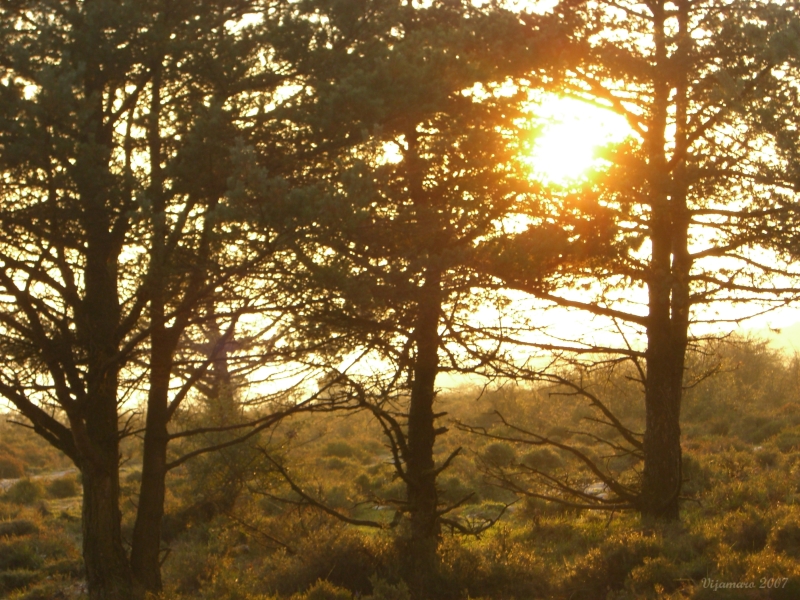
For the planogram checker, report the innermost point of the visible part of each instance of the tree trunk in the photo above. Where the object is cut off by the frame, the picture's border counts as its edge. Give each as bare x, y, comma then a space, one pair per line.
108, 574
661, 478
94, 424
669, 291
146, 542
420, 468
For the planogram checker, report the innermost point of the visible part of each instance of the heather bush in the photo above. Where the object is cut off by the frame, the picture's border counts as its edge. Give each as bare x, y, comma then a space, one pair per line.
605, 568
63, 487
11, 467
324, 590
15, 579
24, 491
17, 528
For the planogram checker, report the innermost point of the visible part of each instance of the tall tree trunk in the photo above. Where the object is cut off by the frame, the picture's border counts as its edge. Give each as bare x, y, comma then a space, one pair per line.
146, 542
668, 287
108, 573
95, 425
420, 468
661, 477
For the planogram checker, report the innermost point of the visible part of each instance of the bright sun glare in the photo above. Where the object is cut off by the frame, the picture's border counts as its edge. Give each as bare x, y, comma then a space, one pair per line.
572, 133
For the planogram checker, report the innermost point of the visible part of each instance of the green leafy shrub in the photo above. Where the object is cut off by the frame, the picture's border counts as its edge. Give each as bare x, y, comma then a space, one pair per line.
543, 459
383, 590
70, 567
453, 490
497, 568
11, 467
19, 554
345, 558
746, 531
605, 568
768, 457
16, 579
499, 454
340, 449
335, 464
24, 491
324, 590
338, 497
63, 487
17, 528
788, 440
758, 429
786, 538
654, 575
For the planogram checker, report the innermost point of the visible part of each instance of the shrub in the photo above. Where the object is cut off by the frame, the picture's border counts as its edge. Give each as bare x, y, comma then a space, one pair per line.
24, 491
71, 567
383, 590
697, 478
786, 539
559, 433
324, 590
496, 568
19, 554
786, 441
63, 487
499, 454
453, 490
768, 457
14, 580
654, 574
335, 464
11, 467
746, 531
339, 449
543, 459
338, 497
17, 528
606, 568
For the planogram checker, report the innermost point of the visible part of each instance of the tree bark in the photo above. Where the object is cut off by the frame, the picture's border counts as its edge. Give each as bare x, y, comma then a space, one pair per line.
668, 288
146, 541
423, 499
108, 574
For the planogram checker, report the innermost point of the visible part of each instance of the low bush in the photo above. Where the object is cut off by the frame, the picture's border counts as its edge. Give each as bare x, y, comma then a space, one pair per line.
24, 491
339, 449
19, 554
499, 454
786, 538
11, 467
788, 440
543, 459
63, 487
383, 590
746, 531
324, 590
16, 579
17, 528
605, 568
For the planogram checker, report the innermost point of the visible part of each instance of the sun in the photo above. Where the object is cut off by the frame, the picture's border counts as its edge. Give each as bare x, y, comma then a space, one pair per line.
571, 134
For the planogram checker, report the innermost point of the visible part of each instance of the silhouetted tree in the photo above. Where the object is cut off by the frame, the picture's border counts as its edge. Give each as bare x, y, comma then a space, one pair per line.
700, 193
